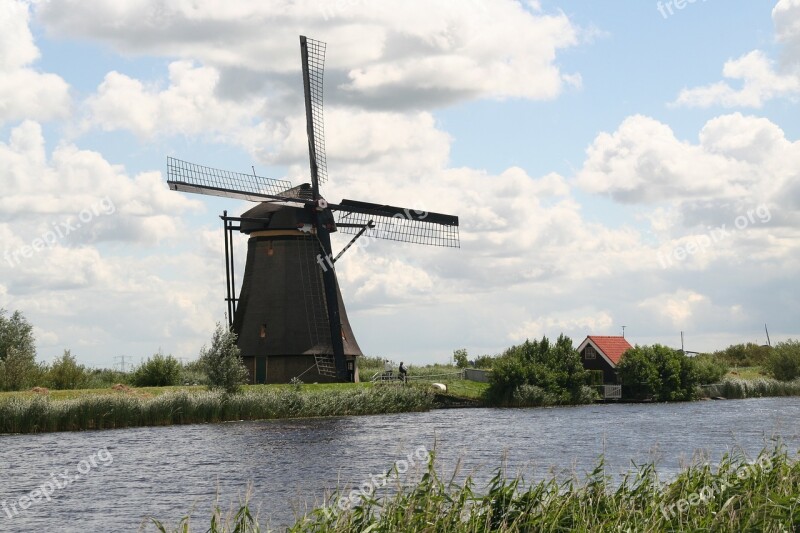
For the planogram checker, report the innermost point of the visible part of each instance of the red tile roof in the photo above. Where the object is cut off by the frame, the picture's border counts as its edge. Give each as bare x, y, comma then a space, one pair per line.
612, 347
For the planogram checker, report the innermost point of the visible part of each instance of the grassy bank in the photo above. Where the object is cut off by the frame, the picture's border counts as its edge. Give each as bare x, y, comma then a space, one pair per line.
737, 389
746, 372
40, 413
736, 496
122, 390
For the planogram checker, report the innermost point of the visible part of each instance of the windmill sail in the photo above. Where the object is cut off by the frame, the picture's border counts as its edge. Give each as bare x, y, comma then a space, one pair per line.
398, 223
313, 57
188, 177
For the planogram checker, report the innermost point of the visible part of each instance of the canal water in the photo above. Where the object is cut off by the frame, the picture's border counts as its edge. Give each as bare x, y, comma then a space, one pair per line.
114, 480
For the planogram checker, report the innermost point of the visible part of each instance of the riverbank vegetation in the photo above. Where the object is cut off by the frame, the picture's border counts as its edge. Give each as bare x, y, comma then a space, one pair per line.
658, 373
539, 373
739, 389
535, 373
737, 495
108, 411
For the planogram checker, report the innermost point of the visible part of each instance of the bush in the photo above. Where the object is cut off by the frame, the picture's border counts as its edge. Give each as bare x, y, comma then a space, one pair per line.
658, 372
483, 361
709, 369
19, 370
102, 378
783, 362
538, 373
223, 362
193, 373
737, 389
158, 371
461, 358
18, 367
15, 332
66, 373
368, 366
749, 354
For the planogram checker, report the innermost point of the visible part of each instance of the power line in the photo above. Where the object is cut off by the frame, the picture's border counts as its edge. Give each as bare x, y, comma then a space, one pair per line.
121, 363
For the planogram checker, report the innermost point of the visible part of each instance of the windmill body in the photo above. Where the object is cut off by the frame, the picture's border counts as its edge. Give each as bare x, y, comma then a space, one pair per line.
281, 318
290, 318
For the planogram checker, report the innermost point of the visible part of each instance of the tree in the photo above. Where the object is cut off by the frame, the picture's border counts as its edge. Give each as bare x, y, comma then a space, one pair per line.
461, 358
539, 373
15, 332
483, 361
19, 370
223, 362
66, 373
658, 372
158, 371
749, 354
784, 361
18, 367
709, 368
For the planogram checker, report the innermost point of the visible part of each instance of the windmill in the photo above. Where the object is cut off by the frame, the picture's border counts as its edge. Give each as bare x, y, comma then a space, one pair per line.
290, 318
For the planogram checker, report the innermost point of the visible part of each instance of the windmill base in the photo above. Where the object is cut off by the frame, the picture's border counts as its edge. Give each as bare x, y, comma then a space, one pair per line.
306, 368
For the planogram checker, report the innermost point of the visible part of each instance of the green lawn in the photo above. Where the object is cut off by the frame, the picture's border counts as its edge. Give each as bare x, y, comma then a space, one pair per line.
156, 391
463, 388
455, 387
746, 372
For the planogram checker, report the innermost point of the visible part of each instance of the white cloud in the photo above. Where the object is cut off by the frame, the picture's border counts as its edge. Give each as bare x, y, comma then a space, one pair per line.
188, 106
760, 78
738, 159
72, 180
575, 323
678, 308
786, 16
732, 195
375, 48
761, 82
24, 92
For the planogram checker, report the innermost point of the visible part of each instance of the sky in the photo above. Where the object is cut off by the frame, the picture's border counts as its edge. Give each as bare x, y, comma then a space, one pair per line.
612, 164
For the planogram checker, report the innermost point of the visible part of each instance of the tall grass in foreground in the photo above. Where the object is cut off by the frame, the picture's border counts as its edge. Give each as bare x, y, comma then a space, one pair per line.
735, 496
737, 389
40, 414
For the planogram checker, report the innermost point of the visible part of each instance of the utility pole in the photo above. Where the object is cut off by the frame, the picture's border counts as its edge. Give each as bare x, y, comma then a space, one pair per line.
121, 364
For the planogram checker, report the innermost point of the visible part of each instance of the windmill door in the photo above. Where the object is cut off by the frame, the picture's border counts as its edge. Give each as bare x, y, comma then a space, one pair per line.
261, 369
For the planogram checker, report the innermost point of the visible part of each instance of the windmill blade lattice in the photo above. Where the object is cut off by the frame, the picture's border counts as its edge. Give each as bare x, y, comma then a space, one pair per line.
316, 70
398, 223
189, 177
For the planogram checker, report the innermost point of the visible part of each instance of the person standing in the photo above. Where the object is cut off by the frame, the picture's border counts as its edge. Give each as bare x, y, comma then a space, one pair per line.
403, 373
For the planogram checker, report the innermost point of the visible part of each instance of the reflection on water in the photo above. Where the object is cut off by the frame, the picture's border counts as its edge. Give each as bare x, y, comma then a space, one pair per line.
170, 471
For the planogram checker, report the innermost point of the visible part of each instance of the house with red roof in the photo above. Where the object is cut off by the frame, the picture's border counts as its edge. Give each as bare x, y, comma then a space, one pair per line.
603, 353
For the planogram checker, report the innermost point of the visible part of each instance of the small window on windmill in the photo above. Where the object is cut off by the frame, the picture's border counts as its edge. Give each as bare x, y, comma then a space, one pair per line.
589, 353
263, 332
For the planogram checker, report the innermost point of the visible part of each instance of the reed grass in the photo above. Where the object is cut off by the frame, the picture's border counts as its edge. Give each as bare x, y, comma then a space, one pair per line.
736, 389
737, 495
41, 414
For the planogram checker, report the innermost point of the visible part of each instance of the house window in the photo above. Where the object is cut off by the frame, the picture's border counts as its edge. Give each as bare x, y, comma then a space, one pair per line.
589, 353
